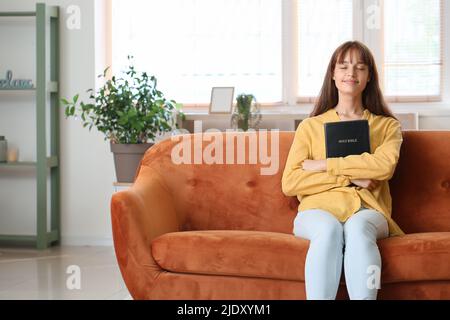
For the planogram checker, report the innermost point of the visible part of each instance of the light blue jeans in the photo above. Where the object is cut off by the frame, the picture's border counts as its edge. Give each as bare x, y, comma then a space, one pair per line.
331, 241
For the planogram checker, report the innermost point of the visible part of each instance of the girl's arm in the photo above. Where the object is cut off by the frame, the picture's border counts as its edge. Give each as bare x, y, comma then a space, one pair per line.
379, 166
298, 182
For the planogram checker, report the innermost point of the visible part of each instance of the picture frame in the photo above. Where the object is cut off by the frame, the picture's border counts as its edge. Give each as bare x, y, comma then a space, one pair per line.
221, 100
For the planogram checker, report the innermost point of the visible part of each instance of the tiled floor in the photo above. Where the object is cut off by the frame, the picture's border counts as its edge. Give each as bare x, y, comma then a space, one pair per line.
45, 274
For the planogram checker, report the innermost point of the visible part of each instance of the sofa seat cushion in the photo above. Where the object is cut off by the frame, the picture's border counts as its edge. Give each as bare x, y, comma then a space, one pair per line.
233, 253
415, 257
412, 257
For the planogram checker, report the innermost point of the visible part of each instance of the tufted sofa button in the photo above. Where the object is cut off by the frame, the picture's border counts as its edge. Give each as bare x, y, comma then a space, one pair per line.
192, 182
251, 183
446, 184
293, 203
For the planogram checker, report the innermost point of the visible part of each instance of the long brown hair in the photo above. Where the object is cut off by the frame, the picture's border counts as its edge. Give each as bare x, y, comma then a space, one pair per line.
372, 97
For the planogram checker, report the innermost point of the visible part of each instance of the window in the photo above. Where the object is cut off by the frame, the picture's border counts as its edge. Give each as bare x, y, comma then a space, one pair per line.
412, 48
278, 50
323, 26
405, 37
194, 45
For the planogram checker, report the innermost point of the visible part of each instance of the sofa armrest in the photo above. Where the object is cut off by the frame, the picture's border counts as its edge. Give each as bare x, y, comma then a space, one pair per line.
139, 215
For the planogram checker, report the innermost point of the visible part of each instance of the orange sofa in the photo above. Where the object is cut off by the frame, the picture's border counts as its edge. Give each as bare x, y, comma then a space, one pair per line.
217, 231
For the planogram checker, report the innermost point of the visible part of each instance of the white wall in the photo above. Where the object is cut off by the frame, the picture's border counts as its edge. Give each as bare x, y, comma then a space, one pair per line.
87, 171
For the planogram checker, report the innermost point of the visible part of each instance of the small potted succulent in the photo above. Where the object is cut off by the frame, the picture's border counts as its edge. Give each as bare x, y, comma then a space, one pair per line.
131, 112
247, 113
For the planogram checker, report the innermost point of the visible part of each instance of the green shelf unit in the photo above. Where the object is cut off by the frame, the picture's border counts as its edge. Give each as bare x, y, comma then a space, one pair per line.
47, 96
31, 89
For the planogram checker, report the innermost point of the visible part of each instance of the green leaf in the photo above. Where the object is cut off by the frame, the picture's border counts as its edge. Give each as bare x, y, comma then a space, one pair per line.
67, 111
105, 71
123, 120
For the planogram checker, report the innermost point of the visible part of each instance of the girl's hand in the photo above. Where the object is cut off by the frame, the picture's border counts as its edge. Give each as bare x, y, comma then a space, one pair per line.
368, 184
314, 165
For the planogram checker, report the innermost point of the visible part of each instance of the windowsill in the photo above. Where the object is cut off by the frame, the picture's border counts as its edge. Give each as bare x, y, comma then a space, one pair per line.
286, 112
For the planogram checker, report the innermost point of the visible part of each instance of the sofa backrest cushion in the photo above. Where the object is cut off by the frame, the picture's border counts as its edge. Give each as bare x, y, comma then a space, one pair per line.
420, 187
238, 196
234, 196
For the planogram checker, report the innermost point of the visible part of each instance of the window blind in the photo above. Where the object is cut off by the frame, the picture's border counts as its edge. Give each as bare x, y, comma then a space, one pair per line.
323, 26
193, 45
413, 49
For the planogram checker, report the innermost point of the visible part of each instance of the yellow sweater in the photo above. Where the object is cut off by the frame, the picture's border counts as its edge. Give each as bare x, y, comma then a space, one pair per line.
331, 190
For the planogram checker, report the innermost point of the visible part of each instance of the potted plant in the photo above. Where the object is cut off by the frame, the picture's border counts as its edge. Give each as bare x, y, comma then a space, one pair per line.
247, 114
131, 112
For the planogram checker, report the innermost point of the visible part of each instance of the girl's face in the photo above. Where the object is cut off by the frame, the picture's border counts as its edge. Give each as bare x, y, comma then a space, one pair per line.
351, 75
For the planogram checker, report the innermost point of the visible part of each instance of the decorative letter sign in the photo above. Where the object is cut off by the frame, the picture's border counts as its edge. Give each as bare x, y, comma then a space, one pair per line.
10, 83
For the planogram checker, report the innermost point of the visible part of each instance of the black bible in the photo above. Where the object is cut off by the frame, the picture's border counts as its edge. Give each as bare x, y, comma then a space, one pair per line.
345, 138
